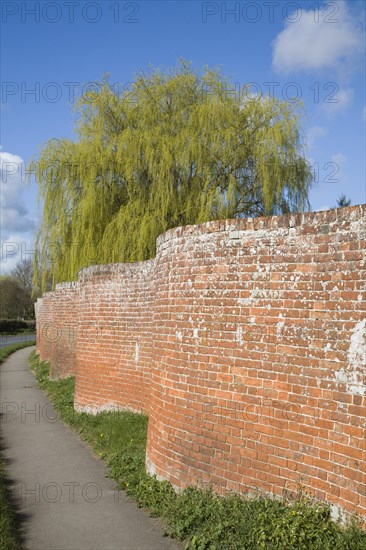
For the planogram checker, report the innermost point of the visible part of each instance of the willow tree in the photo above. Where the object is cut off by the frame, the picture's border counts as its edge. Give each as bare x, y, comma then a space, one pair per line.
178, 149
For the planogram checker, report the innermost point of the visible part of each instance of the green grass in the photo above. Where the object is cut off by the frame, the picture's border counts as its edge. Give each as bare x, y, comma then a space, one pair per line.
8, 350
202, 519
9, 534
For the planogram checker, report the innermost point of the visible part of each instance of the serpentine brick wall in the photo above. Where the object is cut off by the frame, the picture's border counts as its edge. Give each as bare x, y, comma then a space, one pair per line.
45, 323
244, 341
56, 325
115, 334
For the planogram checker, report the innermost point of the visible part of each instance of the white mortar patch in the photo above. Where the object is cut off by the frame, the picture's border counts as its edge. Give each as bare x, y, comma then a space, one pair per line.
354, 375
280, 326
239, 335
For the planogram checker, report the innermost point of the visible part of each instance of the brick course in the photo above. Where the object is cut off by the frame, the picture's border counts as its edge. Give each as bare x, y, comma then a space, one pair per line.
56, 325
244, 341
115, 332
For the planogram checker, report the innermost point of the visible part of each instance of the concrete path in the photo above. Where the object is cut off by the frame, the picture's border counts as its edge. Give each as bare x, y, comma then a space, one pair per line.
60, 489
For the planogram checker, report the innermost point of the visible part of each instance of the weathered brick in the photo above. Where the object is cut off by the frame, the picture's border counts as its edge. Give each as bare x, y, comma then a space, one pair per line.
244, 341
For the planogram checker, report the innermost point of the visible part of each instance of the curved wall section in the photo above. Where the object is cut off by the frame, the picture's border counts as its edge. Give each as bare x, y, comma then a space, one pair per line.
65, 328
258, 380
56, 327
244, 340
115, 335
45, 326
38, 310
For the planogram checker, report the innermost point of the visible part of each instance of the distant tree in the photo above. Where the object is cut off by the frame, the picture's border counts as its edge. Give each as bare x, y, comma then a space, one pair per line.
19, 290
29, 278
342, 201
178, 149
15, 301
23, 274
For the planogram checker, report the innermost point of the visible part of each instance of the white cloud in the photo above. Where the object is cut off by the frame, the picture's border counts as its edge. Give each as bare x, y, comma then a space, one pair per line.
314, 133
324, 207
17, 226
317, 43
15, 248
11, 177
339, 159
341, 101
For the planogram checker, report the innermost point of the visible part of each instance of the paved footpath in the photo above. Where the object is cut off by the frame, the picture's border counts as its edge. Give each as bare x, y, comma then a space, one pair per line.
59, 487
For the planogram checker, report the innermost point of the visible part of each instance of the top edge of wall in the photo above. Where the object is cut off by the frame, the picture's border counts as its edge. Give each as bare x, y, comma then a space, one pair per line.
349, 213
70, 285
122, 267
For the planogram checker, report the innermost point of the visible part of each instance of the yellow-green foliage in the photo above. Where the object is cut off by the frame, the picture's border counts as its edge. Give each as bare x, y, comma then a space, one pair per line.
179, 149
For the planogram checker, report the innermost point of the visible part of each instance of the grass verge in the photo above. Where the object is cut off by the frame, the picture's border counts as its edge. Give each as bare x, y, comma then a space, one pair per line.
9, 534
204, 520
8, 350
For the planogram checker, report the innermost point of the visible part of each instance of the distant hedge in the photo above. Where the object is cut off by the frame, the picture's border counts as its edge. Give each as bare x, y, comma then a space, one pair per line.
15, 325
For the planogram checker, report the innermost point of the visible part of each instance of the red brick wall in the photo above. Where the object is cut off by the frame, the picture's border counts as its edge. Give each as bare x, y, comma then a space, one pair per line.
258, 378
39, 312
56, 326
114, 340
45, 326
245, 341
65, 322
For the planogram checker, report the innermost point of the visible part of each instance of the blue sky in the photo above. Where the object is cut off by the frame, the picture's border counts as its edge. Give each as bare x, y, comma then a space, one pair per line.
52, 50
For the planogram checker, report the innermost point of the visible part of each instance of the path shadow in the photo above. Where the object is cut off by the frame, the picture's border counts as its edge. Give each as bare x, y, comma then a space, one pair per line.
20, 518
